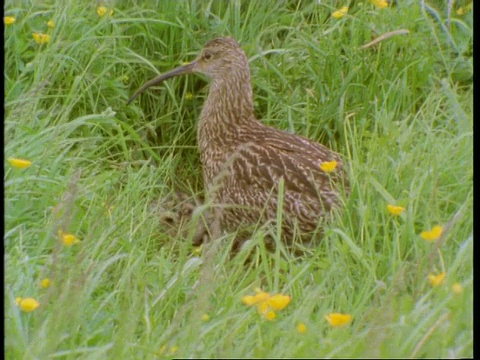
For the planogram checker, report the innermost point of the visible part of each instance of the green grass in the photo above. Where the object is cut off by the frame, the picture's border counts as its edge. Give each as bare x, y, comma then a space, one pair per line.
400, 112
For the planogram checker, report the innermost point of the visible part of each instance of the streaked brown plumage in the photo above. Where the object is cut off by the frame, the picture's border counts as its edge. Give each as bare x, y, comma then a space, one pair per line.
243, 160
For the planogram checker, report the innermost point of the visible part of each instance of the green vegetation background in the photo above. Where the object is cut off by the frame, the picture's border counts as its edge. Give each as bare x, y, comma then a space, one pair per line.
399, 111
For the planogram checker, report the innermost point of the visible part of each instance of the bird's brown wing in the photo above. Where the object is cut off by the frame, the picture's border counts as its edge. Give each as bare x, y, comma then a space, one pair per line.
261, 165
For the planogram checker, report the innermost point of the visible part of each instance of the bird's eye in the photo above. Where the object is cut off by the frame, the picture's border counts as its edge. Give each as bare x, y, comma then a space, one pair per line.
207, 56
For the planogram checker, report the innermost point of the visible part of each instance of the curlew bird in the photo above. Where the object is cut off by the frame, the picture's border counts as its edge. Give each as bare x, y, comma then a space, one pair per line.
245, 162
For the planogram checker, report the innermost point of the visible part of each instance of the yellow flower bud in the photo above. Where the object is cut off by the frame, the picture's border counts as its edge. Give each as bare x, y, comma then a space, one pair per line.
338, 319
28, 304
67, 238
432, 235
45, 283
9, 20
340, 13
302, 328
437, 280
457, 288
381, 4
19, 163
395, 210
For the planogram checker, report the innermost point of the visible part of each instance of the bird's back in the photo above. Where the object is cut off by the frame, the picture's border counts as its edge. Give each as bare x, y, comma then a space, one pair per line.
248, 185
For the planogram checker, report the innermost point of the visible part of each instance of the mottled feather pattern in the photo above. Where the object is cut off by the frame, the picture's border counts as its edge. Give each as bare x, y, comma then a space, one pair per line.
244, 160
248, 186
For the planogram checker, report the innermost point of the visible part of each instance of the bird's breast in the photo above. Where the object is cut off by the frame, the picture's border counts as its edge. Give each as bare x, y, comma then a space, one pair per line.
217, 142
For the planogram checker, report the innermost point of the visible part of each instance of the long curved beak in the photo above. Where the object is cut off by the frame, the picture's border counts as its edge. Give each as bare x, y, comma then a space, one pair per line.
181, 70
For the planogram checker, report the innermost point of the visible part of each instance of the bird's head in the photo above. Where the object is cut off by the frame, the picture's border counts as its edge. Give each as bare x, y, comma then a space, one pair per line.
218, 59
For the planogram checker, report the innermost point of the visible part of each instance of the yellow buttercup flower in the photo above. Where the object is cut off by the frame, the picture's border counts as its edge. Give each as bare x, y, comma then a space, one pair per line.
302, 328
205, 317
19, 163
188, 96
9, 20
67, 238
41, 38
45, 283
255, 299
50, 24
340, 13
27, 304
395, 210
432, 235
328, 166
267, 304
436, 280
278, 302
338, 319
381, 4
102, 11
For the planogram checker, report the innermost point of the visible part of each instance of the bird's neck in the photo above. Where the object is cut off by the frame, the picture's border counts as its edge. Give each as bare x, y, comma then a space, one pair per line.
229, 106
